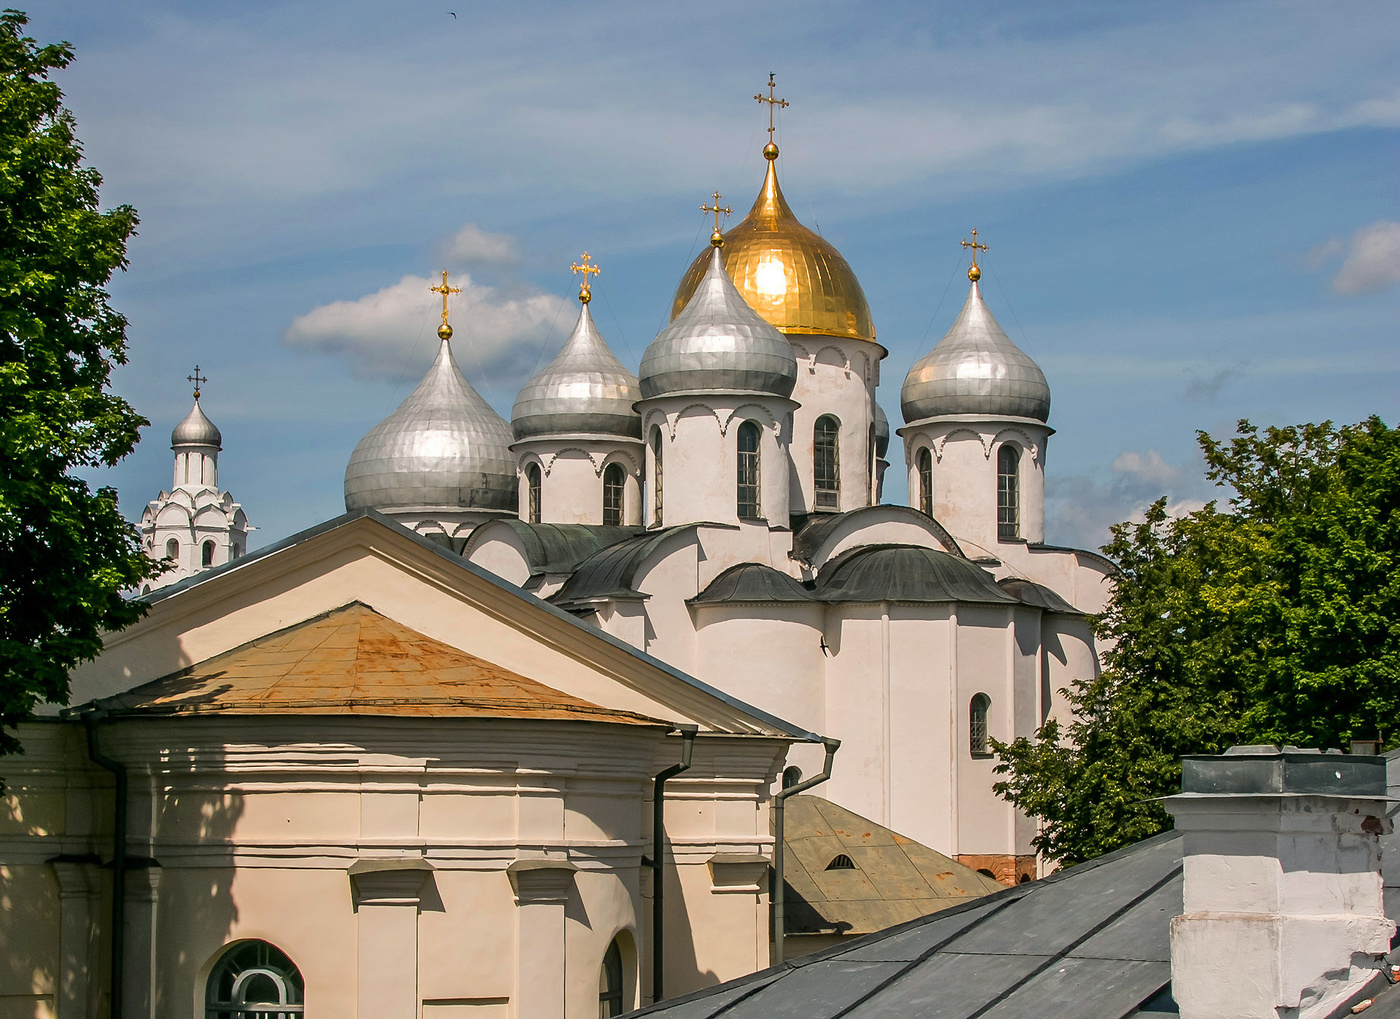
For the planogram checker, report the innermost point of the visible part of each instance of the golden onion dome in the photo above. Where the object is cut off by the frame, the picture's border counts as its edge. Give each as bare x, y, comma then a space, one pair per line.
791, 276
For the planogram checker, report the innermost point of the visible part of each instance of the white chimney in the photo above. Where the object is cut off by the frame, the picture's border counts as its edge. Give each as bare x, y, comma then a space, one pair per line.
1284, 913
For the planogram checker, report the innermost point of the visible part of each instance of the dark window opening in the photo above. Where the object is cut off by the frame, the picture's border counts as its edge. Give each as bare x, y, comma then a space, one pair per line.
986, 873
532, 493
610, 983
924, 461
1008, 493
826, 463
656, 477
841, 862
748, 471
254, 981
791, 776
206, 556
977, 724
172, 549
614, 482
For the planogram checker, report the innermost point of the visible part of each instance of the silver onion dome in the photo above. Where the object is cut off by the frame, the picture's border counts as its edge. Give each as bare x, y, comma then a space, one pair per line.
196, 430
718, 344
975, 369
584, 389
882, 433
444, 449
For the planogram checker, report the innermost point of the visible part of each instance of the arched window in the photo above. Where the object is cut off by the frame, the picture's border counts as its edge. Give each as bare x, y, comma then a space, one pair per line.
532, 494
870, 465
977, 724
791, 776
610, 983
237, 550
206, 555
1008, 493
748, 471
656, 477
826, 463
187, 468
172, 549
254, 980
841, 862
614, 482
923, 459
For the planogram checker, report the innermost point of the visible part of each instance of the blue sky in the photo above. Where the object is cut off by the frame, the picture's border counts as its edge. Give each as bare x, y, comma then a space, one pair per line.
1193, 209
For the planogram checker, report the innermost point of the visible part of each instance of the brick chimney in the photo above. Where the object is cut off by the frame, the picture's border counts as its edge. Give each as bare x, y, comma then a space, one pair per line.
1284, 914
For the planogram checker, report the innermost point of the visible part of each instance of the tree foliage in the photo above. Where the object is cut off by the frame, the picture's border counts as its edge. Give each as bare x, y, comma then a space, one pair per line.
66, 554
1276, 620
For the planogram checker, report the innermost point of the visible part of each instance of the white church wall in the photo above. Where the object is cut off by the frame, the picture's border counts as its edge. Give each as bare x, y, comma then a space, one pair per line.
779, 665
502, 552
838, 377
919, 734
854, 709
985, 664
897, 529
668, 579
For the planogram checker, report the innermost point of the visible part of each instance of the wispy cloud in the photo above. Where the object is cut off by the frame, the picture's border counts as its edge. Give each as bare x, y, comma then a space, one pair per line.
1373, 260
472, 247
1080, 510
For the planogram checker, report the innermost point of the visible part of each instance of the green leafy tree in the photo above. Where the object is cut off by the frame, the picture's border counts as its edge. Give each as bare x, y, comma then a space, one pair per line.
66, 554
1276, 620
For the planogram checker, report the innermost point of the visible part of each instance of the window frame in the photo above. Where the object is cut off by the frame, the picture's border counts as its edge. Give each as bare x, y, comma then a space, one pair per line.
749, 471
1008, 492
265, 964
826, 464
979, 726
612, 986
657, 474
534, 484
923, 465
614, 494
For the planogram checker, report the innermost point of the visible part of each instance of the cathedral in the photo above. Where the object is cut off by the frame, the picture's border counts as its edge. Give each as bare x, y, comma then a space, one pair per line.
511, 737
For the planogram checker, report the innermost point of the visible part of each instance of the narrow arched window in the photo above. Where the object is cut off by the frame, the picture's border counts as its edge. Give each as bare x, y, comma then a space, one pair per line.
870, 465
791, 776
532, 494
748, 471
172, 549
977, 724
206, 554
237, 550
1008, 493
610, 983
614, 483
924, 461
656, 477
187, 468
254, 980
826, 463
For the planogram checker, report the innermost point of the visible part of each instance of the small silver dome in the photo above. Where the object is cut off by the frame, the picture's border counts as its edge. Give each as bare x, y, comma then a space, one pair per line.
196, 430
718, 344
444, 449
882, 433
584, 389
975, 369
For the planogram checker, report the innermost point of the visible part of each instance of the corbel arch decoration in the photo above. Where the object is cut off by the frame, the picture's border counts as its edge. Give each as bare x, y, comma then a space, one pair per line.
749, 411
1021, 438
982, 440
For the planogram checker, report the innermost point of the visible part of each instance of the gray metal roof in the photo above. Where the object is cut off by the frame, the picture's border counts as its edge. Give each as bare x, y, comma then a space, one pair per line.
811, 533
584, 389
750, 583
443, 449
611, 572
1091, 941
882, 432
196, 430
1038, 595
975, 369
718, 344
906, 573
562, 548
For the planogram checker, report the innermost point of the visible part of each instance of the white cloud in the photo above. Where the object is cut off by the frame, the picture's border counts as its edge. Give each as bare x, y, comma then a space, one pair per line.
1148, 467
473, 246
1080, 510
1373, 260
379, 332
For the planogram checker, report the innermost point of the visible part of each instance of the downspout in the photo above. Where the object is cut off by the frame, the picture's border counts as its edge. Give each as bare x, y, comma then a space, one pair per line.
832, 745
658, 837
119, 867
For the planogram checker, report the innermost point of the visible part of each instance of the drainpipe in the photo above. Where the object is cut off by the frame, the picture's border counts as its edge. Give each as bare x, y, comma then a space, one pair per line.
658, 835
832, 745
119, 867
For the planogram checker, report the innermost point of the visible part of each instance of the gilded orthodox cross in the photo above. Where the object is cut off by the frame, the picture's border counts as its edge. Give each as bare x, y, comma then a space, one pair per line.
974, 273
716, 238
197, 379
771, 103
585, 292
444, 290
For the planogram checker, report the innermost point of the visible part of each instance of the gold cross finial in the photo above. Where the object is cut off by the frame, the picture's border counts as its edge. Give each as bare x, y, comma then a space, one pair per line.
974, 273
770, 150
197, 379
716, 238
585, 292
445, 330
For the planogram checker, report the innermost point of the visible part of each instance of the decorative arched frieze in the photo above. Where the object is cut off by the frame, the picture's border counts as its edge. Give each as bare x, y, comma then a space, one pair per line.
979, 436
704, 408
748, 411
587, 455
630, 463
525, 460
1021, 437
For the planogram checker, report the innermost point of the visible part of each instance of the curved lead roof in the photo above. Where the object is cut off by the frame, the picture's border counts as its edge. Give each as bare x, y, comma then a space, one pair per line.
562, 548
882, 433
196, 430
1037, 595
751, 583
584, 389
906, 573
718, 344
443, 449
975, 369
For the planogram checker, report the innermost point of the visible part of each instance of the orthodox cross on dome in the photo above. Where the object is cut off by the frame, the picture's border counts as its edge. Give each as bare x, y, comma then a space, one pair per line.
197, 379
716, 238
770, 150
445, 330
585, 291
974, 273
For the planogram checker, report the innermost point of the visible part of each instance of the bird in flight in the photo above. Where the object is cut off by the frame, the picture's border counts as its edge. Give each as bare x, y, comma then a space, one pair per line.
453, 13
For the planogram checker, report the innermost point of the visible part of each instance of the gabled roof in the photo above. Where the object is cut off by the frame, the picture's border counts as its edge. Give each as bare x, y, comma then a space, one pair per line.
1092, 940
890, 878
353, 661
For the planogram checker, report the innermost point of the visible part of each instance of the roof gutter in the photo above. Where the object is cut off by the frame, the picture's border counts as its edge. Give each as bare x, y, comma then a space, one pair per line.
779, 799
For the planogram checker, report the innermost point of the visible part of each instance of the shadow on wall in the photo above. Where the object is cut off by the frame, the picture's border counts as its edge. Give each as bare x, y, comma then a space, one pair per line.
29, 904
